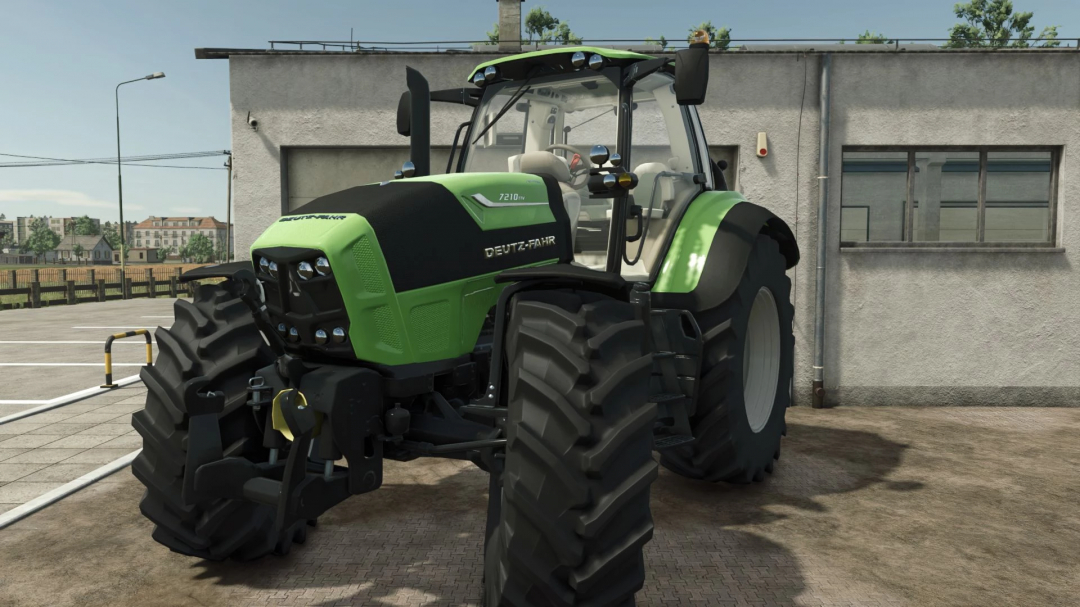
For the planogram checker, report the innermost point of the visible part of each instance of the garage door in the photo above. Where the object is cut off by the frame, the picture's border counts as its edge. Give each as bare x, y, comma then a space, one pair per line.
314, 172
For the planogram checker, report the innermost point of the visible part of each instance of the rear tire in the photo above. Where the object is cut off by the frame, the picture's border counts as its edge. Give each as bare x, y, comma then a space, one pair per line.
575, 497
213, 339
746, 370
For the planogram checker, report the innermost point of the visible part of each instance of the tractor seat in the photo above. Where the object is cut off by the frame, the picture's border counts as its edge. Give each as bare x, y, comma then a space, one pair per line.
546, 162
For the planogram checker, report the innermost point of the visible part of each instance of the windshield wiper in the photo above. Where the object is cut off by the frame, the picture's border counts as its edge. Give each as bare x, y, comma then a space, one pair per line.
521, 90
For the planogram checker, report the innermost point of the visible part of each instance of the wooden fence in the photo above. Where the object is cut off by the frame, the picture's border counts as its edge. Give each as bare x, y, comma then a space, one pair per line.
35, 288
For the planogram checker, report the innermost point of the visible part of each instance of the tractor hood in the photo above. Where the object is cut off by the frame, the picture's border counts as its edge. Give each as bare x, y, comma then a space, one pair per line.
436, 229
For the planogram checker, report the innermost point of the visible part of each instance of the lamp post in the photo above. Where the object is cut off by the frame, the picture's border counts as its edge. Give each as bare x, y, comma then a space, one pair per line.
120, 183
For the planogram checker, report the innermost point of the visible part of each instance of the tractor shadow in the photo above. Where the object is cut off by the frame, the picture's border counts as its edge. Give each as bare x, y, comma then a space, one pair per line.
419, 539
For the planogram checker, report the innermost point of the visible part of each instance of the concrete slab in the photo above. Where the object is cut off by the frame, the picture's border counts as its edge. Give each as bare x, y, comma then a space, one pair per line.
20, 492
9, 453
47, 327
43, 456
97, 455
868, 507
50, 446
60, 472
14, 472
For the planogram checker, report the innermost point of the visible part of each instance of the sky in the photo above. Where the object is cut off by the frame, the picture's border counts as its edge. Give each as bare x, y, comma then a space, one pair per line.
61, 59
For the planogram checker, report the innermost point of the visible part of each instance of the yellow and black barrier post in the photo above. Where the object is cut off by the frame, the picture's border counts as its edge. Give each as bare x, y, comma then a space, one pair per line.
108, 353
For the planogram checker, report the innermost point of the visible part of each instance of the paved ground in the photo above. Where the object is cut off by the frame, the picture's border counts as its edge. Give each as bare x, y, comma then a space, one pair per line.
882, 506
49, 352
49, 449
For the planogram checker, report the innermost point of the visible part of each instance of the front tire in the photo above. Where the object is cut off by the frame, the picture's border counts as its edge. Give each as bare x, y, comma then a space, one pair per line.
214, 339
575, 497
746, 370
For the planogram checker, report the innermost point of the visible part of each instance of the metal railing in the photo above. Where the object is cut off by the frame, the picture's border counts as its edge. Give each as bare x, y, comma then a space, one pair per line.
108, 353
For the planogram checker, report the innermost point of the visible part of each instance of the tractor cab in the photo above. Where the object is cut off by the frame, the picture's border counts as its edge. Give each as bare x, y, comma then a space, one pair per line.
581, 114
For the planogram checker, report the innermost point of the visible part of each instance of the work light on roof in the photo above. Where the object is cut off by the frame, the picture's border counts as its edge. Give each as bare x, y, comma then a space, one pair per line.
578, 59
491, 73
596, 62
478, 79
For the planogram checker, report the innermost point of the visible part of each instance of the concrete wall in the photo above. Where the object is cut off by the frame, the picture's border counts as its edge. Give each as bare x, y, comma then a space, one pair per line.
918, 327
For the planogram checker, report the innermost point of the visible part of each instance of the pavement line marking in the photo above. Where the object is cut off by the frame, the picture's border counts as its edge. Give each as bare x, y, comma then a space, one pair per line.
23, 402
32, 506
157, 317
128, 327
71, 364
129, 343
60, 401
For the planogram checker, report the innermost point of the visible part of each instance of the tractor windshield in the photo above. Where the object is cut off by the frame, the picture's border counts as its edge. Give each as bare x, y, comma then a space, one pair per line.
550, 129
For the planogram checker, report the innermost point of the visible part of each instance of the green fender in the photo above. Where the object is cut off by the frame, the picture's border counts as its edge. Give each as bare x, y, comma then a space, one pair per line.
710, 248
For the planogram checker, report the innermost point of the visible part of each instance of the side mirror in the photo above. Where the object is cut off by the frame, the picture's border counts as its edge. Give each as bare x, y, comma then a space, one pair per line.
691, 74
404, 114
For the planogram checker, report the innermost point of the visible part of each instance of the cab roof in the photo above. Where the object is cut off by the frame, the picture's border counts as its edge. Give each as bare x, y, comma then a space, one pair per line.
516, 67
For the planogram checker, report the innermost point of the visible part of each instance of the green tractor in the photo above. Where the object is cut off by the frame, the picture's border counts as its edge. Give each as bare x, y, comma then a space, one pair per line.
579, 291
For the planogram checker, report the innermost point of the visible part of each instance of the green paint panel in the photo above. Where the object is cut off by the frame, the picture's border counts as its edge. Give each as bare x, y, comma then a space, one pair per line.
385, 327
686, 259
606, 52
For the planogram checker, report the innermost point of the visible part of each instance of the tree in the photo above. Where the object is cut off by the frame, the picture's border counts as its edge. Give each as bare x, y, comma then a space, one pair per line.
7, 241
869, 37
84, 226
78, 251
493, 35
41, 239
719, 39
219, 251
662, 41
199, 249
543, 28
164, 252
112, 236
993, 24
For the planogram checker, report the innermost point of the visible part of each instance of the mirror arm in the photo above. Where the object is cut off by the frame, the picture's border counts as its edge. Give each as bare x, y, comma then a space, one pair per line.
641, 69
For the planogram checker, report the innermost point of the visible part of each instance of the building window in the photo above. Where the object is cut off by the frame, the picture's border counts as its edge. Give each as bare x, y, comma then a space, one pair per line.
949, 196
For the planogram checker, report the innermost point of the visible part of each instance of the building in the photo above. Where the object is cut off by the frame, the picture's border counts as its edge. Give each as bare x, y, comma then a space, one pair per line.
95, 250
140, 255
66, 225
950, 182
174, 232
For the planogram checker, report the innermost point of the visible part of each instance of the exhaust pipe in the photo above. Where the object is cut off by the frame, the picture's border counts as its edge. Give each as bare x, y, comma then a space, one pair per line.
420, 122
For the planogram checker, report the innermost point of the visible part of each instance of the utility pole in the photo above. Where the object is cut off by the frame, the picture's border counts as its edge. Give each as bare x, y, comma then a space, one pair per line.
228, 211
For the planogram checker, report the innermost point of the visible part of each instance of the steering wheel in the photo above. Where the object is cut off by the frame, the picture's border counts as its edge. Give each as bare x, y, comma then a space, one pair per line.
583, 166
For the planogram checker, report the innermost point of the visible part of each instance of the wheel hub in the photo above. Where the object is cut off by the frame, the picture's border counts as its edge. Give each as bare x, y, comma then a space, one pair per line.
761, 360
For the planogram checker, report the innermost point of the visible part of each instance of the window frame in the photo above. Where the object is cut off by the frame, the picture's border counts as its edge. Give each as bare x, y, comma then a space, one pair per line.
980, 242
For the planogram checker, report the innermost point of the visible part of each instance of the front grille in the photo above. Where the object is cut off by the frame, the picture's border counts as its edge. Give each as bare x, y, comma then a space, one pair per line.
304, 305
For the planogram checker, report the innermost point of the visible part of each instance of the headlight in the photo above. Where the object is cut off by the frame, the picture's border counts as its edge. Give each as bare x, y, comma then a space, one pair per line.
305, 270
320, 337
339, 335
294, 335
272, 269
322, 266
264, 264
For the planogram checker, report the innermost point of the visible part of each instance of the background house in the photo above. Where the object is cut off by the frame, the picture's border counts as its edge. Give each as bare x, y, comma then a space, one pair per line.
94, 250
951, 270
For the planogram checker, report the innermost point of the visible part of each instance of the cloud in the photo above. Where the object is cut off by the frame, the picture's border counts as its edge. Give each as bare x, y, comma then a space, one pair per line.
68, 198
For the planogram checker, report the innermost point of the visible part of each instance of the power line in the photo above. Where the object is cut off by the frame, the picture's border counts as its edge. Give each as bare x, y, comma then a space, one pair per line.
38, 161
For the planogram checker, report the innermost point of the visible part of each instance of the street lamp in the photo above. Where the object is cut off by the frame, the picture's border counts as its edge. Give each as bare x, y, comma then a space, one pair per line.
120, 182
